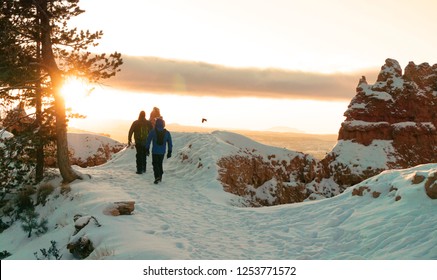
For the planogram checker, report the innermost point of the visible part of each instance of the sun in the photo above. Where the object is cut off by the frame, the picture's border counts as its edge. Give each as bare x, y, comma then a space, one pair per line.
75, 93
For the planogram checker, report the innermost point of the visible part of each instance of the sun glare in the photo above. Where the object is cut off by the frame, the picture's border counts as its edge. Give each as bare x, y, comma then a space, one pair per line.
75, 93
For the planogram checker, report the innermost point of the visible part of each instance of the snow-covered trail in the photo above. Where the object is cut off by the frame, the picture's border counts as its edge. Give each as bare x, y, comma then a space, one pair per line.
189, 216
188, 211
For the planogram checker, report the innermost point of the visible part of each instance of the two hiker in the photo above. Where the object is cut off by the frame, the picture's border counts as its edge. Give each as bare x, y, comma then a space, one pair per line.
145, 135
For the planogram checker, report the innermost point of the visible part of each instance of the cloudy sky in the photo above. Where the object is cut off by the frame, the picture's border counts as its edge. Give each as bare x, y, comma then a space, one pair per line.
249, 63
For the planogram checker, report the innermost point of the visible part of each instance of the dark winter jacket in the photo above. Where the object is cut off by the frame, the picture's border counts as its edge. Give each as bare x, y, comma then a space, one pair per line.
160, 138
140, 130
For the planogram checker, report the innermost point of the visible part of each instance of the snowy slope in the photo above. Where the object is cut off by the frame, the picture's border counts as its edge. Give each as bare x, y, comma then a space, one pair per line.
91, 149
84, 145
189, 216
360, 158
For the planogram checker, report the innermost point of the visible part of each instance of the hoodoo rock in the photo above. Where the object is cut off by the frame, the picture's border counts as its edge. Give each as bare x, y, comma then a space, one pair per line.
390, 124
402, 109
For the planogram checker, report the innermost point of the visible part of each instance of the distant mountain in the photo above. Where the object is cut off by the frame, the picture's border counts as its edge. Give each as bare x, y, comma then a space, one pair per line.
285, 129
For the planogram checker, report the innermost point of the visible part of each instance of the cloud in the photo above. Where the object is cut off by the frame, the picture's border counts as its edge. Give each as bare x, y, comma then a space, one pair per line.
151, 74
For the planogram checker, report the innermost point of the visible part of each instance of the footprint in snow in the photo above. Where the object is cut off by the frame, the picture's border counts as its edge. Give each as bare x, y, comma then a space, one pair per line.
165, 227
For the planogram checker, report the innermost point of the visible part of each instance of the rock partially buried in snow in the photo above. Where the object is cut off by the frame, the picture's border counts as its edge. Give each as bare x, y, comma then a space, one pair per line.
81, 248
120, 208
82, 221
431, 186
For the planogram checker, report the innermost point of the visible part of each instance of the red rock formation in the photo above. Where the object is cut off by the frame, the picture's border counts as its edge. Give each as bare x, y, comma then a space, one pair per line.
267, 181
397, 108
394, 120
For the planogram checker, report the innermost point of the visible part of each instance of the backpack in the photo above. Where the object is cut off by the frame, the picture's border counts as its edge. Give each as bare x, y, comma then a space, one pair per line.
160, 136
143, 132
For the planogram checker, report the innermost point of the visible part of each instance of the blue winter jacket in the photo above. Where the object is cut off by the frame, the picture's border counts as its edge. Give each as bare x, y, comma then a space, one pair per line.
160, 138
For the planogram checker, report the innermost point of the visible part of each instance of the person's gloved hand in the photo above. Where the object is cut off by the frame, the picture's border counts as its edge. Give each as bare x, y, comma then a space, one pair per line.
147, 153
169, 154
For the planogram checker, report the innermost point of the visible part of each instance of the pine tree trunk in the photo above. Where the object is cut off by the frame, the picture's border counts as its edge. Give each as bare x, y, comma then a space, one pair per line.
39, 170
67, 173
49, 62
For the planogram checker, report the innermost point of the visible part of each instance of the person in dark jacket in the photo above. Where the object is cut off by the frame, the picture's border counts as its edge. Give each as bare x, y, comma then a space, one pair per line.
160, 138
140, 130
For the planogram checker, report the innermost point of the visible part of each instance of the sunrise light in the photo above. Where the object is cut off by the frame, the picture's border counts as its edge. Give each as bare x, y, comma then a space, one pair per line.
76, 92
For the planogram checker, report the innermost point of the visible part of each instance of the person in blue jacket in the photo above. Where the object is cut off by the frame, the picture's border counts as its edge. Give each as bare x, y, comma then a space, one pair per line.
160, 138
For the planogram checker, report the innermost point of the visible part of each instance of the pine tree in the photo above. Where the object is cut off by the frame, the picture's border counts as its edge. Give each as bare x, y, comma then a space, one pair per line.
53, 51
30, 223
18, 81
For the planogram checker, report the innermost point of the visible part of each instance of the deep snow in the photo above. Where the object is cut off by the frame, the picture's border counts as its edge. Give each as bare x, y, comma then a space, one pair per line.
189, 217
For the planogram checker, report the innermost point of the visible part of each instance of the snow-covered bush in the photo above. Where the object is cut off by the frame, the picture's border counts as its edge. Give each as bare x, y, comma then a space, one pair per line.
49, 254
16, 163
4, 254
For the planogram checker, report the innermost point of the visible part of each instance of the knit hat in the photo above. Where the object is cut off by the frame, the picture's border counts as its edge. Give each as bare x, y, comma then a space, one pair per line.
159, 124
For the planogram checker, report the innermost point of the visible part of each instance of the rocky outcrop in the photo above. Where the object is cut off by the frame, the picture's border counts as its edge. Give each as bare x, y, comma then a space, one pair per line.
393, 120
397, 108
390, 124
267, 181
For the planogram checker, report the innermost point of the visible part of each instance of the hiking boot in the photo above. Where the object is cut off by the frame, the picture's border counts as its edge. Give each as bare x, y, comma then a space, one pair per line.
139, 172
157, 180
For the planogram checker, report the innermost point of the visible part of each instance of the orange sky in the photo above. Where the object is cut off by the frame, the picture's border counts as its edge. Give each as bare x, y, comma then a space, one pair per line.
251, 64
